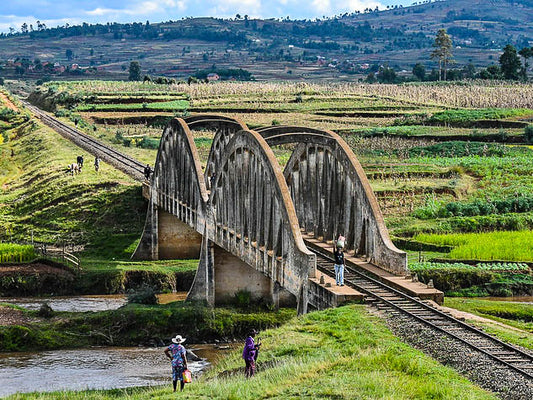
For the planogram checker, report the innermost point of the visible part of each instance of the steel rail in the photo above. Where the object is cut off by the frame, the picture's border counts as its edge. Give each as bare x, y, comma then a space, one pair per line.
124, 162
454, 322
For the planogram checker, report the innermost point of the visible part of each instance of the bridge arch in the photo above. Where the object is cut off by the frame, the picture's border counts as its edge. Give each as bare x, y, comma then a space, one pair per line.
177, 189
254, 219
332, 195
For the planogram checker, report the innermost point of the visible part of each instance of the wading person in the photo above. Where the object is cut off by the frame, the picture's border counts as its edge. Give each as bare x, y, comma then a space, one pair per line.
249, 354
178, 357
339, 261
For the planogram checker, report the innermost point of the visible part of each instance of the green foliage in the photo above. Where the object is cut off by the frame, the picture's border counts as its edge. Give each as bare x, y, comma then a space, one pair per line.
145, 294
11, 253
153, 106
134, 71
466, 115
510, 63
528, 133
435, 209
458, 149
45, 311
519, 315
242, 298
508, 246
496, 267
226, 73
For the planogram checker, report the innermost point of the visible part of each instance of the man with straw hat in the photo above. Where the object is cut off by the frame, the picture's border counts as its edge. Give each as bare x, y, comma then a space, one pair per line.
178, 356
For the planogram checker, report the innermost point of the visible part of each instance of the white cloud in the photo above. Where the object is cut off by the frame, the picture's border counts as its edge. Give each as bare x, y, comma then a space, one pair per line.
322, 6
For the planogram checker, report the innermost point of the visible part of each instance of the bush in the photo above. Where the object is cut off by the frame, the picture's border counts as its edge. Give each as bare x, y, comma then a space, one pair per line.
242, 298
45, 311
143, 295
528, 132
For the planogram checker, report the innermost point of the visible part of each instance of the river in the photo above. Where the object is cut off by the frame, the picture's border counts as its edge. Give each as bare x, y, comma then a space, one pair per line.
94, 368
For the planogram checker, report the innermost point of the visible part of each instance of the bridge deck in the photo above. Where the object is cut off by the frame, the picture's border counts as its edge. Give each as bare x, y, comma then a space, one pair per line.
402, 283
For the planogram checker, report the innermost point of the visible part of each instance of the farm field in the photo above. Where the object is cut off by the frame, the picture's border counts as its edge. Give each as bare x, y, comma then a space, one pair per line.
441, 158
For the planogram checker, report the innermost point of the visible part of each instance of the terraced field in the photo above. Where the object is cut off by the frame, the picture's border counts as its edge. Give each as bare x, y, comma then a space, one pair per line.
422, 146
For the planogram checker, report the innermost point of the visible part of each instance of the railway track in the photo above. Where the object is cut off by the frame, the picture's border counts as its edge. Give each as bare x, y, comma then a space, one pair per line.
393, 301
119, 160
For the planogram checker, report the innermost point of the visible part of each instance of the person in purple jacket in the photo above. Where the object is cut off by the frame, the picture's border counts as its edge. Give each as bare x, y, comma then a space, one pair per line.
250, 353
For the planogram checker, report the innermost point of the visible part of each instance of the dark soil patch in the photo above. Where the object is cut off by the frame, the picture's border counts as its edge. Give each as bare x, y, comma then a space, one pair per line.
36, 268
10, 316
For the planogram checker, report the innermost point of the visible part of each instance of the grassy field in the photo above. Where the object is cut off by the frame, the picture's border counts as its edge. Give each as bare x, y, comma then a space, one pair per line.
508, 246
341, 353
517, 315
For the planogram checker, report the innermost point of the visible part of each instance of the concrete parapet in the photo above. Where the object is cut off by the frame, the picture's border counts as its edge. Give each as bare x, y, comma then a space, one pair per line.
327, 294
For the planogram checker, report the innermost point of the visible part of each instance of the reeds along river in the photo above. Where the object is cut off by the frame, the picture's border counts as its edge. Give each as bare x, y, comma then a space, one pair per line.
95, 368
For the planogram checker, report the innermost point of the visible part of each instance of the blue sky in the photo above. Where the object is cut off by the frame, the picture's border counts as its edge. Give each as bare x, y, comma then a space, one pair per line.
59, 12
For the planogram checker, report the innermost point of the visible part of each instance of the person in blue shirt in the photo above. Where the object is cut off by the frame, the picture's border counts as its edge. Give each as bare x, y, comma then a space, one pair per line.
178, 357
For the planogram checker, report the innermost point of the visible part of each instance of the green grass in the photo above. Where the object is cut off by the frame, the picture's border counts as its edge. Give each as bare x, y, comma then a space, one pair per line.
466, 115
340, 353
136, 324
518, 315
158, 106
104, 208
505, 246
10, 252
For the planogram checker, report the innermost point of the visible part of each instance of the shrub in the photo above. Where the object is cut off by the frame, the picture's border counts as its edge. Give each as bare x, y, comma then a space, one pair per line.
528, 132
143, 295
45, 311
242, 298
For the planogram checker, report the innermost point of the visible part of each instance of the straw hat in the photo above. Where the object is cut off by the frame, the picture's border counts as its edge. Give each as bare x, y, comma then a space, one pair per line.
178, 339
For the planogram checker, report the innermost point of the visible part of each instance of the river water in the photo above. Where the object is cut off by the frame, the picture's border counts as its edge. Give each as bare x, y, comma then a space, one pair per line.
94, 368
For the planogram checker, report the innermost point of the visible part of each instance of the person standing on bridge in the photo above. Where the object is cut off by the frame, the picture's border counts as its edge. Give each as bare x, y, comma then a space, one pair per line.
178, 357
339, 261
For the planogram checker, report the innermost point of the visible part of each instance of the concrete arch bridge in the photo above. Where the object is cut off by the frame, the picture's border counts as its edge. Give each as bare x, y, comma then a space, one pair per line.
252, 224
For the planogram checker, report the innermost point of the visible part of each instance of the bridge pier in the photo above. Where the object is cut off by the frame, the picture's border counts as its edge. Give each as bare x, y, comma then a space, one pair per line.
221, 275
165, 237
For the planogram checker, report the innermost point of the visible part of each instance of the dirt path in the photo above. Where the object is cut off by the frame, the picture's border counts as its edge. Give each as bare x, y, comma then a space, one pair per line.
8, 102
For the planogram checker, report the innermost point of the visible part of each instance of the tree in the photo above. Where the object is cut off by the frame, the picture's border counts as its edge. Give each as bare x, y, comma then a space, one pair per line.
134, 71
526, 52
386, 75
442, 52
69, 54
510, 63
419, 71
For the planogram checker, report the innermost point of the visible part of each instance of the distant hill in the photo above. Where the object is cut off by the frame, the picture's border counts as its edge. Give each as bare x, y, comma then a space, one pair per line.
343, 47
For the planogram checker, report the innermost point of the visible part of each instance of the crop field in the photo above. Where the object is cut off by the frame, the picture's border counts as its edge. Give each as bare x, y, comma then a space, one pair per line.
441, 158
10, 252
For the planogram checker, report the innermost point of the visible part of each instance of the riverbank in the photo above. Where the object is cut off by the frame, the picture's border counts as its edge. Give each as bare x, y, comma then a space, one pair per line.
136, 324
45, 277
342, 353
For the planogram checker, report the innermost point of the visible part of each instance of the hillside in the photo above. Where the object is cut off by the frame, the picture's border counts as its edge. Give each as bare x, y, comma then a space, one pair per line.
339, 48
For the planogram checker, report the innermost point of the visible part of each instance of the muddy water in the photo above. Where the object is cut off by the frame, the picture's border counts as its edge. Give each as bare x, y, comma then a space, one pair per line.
84, 303
95, 368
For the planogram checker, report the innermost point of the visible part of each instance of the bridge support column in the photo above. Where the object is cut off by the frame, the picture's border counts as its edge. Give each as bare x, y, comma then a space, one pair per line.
221, 274
176, 239
203, 286
147, 247
165, 237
